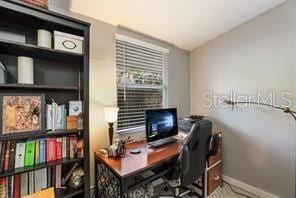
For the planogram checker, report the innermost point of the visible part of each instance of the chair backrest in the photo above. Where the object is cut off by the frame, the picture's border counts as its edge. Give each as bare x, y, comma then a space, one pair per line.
193, 158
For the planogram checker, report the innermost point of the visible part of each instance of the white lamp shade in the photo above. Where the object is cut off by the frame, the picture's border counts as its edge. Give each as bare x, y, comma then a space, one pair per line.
111, 114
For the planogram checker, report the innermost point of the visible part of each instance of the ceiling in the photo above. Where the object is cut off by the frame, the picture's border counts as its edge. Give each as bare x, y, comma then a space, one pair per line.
187, 24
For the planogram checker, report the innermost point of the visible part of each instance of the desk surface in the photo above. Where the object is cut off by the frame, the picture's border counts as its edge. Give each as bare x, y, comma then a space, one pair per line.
148, 158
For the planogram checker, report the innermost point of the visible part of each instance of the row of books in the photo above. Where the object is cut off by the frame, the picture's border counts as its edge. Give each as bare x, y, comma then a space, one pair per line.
56, 116
20, 185
18, 154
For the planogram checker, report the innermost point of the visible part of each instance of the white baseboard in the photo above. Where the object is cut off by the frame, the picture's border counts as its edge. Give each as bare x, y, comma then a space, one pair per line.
248, 188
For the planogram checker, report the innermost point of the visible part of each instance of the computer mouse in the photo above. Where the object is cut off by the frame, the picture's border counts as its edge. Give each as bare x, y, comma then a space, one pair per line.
135, 151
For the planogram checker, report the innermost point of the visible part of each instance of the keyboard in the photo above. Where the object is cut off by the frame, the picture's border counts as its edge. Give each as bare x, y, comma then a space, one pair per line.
162, 142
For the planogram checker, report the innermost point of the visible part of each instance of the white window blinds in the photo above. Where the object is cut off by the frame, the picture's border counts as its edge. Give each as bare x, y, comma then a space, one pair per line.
141, 82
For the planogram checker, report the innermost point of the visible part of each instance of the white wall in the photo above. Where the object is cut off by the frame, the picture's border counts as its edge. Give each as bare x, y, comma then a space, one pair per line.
103, 74
258, 56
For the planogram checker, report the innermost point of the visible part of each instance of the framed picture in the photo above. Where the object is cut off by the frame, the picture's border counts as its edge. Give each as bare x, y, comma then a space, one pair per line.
22, 112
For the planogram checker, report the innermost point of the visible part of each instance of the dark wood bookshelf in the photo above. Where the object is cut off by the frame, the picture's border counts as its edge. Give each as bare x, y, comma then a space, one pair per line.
34, 51
15, 86
42, 134
39, 166
61, 75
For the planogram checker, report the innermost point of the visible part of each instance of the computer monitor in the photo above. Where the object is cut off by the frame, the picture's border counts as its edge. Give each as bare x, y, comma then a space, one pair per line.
161, 123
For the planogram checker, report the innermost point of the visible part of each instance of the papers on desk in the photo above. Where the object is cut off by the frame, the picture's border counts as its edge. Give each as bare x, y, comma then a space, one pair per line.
181, 136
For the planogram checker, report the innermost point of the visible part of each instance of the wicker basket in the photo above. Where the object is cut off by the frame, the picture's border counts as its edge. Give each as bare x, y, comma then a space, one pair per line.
40, 3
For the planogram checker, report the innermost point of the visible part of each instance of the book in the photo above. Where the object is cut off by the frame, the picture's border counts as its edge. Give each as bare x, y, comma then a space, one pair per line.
16, 186
43, 178
9, 186
7, 191
30, 153
42, 151
53, 176
2, 155
37, 180
3, 187
49, 177
68, 147
7, 155
20, 154
37, 148
50, 149
31, 182
64, 121
58, 124
12, 154
59, 146
64, 147
24, 184
54, 115
58, 176
48, 117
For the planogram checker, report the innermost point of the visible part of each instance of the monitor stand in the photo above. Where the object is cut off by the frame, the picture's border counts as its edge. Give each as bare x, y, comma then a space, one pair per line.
162, 142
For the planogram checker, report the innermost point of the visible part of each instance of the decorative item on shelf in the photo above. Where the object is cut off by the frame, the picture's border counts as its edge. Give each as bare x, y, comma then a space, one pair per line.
75, 108
25, 67
80, 148
67, 176
40, 3
3, 74
22, 113
76, 179
284, 109
68, 42
44, 38
110, 118
80, 121
71, 122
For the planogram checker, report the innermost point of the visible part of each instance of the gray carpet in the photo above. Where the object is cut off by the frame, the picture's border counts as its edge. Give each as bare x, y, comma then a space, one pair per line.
223, 192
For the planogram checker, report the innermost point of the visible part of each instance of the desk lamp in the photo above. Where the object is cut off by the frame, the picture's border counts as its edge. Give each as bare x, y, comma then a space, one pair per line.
110, 118
284, 109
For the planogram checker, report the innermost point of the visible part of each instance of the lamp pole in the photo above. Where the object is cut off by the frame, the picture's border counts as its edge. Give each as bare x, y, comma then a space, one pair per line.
111, 129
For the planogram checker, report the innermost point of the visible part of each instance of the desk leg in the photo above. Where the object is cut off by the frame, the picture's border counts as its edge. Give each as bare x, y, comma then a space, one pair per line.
123, 188
108, 185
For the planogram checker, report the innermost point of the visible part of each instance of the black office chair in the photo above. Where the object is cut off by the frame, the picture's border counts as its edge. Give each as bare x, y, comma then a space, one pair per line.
191, 163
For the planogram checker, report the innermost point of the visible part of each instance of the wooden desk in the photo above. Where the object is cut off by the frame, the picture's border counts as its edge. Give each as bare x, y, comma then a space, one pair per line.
112, 173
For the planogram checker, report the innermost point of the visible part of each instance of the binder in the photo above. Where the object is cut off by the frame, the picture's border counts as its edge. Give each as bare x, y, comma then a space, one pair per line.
20, 154
30, 153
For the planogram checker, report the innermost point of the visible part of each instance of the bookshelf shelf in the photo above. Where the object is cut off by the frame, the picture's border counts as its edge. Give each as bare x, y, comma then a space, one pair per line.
39, 166
34, 51
61, 75
38, 87
36, 135
67, 193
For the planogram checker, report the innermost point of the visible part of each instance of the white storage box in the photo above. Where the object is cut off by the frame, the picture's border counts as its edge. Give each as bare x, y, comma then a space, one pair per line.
68, 42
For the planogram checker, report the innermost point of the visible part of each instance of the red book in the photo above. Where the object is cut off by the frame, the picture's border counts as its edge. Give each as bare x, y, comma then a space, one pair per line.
7, 154
17, 186
50, 149
59, 147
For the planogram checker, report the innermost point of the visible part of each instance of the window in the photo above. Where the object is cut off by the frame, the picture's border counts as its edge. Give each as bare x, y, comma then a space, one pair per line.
141, 81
